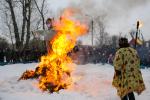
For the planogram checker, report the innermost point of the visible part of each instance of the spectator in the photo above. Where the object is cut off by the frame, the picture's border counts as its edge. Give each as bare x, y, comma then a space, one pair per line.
127, 78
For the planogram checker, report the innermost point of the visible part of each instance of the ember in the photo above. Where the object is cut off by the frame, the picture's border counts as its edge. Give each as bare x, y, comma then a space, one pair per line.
54, 70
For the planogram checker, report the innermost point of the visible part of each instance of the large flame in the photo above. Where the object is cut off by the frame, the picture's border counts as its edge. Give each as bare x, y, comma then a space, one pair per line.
55, 68
140, 24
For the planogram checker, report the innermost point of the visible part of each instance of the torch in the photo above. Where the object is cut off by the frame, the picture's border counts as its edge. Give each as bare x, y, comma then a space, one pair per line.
137, 29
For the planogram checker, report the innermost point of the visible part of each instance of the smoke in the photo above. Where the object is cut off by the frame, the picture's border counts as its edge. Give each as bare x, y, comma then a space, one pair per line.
119, 15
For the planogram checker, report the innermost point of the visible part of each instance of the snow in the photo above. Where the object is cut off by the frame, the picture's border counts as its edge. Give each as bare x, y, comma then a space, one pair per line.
94, 83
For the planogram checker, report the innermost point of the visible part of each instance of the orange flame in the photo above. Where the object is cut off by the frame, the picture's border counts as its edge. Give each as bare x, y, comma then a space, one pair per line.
56, 67
140, 23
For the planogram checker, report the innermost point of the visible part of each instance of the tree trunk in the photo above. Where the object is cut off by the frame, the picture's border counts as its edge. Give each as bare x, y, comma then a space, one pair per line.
41, 12
28, 23
43, 20
24, 13
16, 32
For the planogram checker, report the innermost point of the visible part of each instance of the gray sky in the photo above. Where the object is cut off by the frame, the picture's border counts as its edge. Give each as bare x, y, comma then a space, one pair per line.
121, 15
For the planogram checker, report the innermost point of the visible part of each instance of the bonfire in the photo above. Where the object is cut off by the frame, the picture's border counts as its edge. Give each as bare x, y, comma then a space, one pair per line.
54, 70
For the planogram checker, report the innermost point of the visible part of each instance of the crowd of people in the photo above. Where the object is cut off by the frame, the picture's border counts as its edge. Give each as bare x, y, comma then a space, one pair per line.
105, 54
84, 54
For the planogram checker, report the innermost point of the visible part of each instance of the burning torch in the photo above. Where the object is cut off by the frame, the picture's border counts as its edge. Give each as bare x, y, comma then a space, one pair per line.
137, 40
137, 29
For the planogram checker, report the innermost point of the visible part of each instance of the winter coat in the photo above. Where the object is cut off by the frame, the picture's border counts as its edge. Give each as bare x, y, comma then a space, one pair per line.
129, 79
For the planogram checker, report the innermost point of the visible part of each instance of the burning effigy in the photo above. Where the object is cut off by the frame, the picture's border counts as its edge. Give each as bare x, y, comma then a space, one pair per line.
54, 70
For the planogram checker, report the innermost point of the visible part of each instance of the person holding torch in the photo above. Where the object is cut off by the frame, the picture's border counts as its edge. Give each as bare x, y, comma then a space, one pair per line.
127, 77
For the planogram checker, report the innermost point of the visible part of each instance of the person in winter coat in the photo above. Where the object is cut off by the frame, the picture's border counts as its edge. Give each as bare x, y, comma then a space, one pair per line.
127, 78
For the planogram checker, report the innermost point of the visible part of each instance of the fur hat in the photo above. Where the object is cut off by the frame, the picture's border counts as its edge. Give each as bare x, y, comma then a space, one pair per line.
123, 42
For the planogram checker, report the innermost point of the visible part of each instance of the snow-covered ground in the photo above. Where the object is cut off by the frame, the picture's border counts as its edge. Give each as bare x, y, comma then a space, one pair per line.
94, 84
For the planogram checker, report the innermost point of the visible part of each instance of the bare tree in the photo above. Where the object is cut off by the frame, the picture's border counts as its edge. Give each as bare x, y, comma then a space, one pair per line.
16, 31
101, 32
103, 37
115, 39
21, 37
8, 23
24, 12
28, 19
41, 11
21, 14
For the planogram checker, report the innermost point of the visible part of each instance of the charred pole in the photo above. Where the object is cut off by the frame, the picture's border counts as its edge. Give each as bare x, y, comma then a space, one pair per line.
137, 30
92, 23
